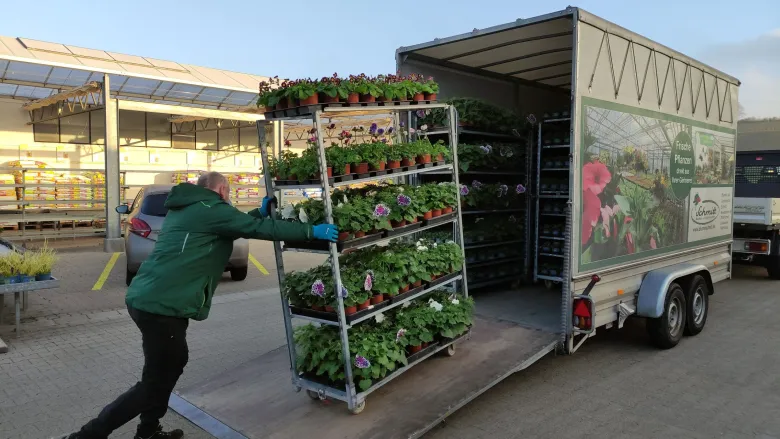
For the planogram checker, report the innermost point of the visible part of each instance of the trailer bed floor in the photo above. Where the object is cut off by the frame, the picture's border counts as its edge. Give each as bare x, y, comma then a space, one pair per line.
256, 399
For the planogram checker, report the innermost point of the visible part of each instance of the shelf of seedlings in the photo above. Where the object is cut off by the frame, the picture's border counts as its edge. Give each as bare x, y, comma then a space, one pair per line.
552, 190
363, 374
494, 168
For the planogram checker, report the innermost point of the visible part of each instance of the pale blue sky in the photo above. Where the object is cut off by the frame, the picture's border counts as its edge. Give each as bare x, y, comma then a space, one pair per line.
315, 38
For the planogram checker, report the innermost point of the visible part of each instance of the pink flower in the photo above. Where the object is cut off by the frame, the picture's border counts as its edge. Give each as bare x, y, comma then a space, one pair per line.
591, 211
653, 244
595, 176
607, 213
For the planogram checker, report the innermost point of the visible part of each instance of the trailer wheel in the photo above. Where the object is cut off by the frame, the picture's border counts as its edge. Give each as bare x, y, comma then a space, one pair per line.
359, 408
450, 351
698, 300
666, 331
314, 395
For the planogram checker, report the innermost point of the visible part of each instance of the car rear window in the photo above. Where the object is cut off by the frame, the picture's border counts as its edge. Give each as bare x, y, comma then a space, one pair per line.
154, 205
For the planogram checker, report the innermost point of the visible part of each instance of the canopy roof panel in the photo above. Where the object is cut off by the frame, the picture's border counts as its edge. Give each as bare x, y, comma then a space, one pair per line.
31, 69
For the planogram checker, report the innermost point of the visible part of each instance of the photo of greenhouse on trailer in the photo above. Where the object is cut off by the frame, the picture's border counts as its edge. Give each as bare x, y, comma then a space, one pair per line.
651, 182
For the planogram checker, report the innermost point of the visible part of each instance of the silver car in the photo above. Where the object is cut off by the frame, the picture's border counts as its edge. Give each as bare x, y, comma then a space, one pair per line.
144, 221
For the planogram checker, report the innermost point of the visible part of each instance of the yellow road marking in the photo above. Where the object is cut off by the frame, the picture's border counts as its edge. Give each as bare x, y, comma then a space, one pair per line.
257, 264
106, 271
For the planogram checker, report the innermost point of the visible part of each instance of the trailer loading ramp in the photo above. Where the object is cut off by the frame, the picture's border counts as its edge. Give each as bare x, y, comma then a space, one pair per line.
255, 400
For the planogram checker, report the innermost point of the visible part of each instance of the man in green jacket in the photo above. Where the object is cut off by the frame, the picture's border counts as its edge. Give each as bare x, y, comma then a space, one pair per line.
176, 283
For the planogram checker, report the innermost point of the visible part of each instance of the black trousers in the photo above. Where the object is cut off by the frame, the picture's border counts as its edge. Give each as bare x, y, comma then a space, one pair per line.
165, 355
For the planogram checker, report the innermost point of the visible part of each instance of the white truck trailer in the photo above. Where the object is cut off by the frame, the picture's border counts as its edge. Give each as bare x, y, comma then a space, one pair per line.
646, 205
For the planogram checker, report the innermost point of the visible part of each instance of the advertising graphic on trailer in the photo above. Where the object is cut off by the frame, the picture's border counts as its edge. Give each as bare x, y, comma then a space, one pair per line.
651, 183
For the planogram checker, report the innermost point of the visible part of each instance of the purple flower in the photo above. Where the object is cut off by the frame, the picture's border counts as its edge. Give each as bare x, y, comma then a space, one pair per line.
372, 129
331, 126
401, 124
381, 210
531, 119
502, 190
476, 184
520, 189
464, 190
312, 139
487, 149
370, 273
383, 140
344, 292
380, 132
420, 113
368, 283
390, 130
403, 200
401, 332
318, 288
362, 362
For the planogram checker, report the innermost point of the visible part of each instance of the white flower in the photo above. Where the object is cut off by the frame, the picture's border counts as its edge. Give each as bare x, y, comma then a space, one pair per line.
455, 301
406, 305
449, 241
379, 318
424, 127
288, 211
435, 245
435, 305
422, 248
303, 217
371, 193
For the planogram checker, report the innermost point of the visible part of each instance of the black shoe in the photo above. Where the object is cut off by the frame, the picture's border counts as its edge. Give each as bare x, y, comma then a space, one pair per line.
160, 434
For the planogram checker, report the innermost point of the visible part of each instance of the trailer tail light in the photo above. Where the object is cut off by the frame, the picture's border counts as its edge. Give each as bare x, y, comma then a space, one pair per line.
756, 246
583, 314
140, 227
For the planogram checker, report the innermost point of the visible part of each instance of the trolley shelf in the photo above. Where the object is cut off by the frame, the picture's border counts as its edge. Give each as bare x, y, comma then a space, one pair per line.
561, 146
494, 261
477, 245
558, 119
557, 195
552, 255
386, 236
496, 281
476, 133
552, 278
361, 316
555, 238
555, 169
481, 212
552, 214
368, 179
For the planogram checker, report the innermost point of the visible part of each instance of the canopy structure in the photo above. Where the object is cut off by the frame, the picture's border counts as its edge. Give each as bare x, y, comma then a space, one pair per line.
31, 69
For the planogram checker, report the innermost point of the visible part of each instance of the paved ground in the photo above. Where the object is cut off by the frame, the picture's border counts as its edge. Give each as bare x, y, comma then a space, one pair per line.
79, 349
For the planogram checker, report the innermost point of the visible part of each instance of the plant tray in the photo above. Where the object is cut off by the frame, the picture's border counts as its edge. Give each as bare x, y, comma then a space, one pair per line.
440, 219
423, 352
405, 229
345, 177
308, 110
443, 279
399, 297
333, 317
286, 182
341, 246
331, 180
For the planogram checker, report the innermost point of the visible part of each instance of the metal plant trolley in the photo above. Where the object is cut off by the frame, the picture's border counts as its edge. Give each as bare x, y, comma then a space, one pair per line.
356, 400
20, 289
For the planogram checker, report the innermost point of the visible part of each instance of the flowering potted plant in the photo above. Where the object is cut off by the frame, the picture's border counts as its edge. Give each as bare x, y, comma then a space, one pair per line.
303, 91
375, 154
339, 158
367, 88
355, 216
306, 166
356, 297
415, 325
449, 196
269, 93
331, 89
430, 88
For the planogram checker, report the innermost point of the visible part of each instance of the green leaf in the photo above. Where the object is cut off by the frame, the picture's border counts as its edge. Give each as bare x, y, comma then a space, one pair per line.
625, 206
364, 384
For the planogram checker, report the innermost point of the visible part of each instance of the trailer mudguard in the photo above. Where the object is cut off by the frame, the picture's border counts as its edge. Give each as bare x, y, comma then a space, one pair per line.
652, 294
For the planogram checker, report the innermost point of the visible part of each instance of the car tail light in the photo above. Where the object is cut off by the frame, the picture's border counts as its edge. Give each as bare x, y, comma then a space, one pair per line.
756, 246
140, 227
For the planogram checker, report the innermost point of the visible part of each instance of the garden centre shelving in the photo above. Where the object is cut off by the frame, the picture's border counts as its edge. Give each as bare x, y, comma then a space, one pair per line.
553, 169
480, 272
356, 399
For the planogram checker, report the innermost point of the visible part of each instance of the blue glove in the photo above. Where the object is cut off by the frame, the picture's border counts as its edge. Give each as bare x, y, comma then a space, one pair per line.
326, 232
266, 207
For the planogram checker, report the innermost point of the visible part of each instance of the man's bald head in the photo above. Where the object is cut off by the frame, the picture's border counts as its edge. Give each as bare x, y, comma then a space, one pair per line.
215, 182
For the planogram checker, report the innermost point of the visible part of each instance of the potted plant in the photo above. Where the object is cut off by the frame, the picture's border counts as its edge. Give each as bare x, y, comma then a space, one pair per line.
388, 87
375, 154
449, 196
339, 158
305, 166
406, 87
6, 271
354, 293
430, 88
352, 87
423, 148
415, 326
367, 88
355, 216
331, 89
269, 94
45, 259
303, 91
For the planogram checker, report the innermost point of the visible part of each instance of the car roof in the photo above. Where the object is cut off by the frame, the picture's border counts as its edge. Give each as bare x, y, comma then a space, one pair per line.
157, 188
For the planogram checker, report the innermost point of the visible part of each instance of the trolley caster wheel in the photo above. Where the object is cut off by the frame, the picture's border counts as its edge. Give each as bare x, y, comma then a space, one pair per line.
358, 409
298, 389
314, 395
450, 351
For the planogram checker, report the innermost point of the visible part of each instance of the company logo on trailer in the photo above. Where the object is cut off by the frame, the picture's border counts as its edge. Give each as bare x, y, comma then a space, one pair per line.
704, 211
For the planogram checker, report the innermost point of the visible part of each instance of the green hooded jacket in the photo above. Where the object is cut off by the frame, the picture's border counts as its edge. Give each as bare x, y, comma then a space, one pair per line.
180, 276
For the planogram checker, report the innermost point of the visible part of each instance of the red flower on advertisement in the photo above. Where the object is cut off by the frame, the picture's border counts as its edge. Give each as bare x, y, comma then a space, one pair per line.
591, 212
595, 176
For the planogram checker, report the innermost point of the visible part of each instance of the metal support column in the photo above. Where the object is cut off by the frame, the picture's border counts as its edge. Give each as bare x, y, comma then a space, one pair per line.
113, 242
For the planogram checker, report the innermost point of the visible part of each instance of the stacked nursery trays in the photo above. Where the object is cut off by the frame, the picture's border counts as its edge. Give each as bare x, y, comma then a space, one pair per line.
245, 187
553, 174
494, 163
371, 299
185, 177
71, 187
8, 195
